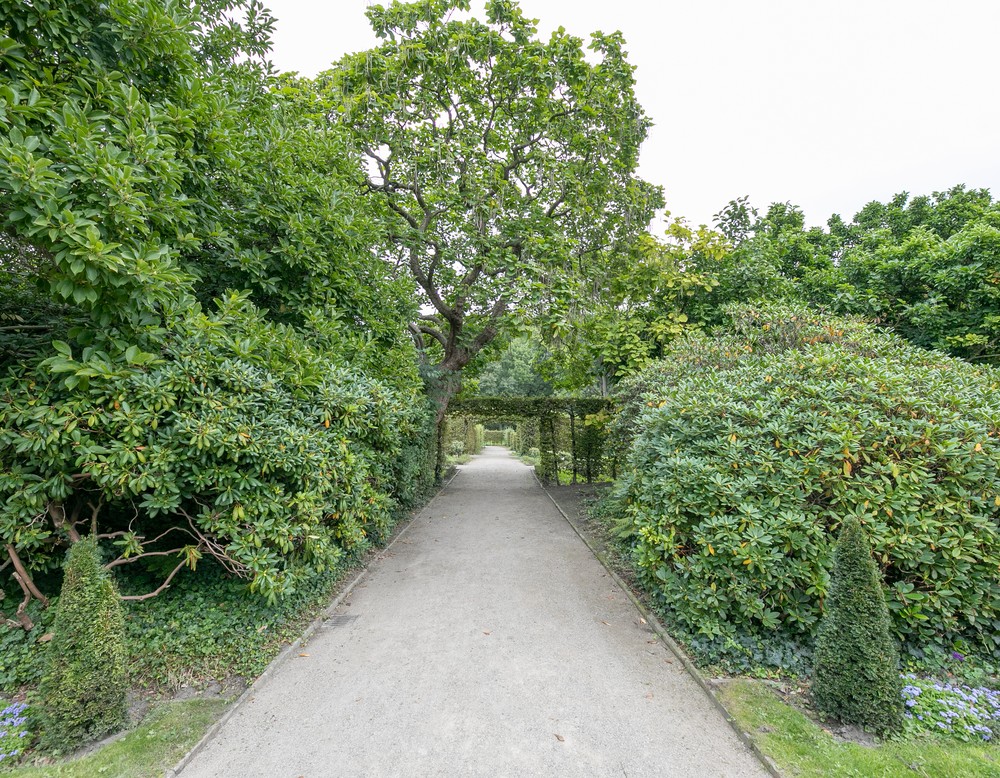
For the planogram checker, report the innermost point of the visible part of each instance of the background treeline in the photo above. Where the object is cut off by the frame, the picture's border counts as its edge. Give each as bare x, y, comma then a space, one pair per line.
925, 267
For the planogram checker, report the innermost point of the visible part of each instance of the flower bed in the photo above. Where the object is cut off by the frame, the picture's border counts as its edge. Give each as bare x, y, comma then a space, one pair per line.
963, 712
13, 733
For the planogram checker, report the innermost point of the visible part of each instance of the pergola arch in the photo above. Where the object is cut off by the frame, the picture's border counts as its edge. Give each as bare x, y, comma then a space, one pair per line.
547, 411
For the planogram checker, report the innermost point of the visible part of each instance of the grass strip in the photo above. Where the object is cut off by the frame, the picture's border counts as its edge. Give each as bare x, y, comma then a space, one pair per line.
800, 747
152, 748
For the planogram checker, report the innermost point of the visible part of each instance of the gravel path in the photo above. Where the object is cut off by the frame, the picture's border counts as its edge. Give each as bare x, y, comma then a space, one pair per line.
487, 641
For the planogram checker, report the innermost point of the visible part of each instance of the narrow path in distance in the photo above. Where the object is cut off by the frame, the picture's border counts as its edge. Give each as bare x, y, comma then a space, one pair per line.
488, 641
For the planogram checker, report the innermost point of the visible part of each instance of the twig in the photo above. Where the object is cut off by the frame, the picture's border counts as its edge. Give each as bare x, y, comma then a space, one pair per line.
164, 585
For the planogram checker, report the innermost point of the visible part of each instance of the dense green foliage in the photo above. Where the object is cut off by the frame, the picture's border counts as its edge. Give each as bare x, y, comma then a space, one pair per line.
752, 447
203, 627
856, 664
928, 266
516, 372
634, 306
83, 691
214, 361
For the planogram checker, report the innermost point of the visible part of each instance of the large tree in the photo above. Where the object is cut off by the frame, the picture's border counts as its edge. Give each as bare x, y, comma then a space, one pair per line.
505, 163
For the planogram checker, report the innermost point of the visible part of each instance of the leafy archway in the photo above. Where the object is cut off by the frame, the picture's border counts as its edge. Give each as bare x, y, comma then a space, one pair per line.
583, 418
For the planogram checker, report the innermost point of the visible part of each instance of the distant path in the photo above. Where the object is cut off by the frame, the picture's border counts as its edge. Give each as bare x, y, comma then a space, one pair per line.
489, 641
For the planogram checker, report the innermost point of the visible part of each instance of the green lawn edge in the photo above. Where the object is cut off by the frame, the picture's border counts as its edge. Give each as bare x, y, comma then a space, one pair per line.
168, 732
800, 747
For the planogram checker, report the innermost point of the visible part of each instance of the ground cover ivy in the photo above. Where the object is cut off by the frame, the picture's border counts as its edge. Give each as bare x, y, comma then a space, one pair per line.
745, 462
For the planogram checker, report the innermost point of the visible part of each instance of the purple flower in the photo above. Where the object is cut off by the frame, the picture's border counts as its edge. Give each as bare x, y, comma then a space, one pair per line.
957, 656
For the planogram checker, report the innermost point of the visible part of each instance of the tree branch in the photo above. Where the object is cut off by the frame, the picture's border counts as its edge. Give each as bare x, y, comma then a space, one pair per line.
126, 560
23, 619
162, 586
23, 578
57, 511
438, 336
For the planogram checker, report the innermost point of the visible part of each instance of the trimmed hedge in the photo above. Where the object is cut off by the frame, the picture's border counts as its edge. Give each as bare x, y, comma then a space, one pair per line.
84, 687
856, 668
761, 441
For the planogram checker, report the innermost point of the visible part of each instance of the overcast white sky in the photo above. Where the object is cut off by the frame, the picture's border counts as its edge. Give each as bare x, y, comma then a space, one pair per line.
827, 104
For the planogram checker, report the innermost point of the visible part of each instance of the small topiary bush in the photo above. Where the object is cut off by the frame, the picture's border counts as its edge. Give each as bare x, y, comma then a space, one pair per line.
856, 664
752, 446
83, 690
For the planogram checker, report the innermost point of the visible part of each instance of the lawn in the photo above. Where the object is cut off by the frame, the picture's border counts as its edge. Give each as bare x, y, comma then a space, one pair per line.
155, 746
801, 747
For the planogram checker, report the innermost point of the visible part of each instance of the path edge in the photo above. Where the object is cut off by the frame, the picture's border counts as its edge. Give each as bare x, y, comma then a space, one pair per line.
661, 633
254, 688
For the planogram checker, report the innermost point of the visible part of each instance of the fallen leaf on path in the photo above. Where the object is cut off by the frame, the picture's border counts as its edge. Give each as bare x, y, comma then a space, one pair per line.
487, 633
303, 654
649, 696
604, 622
560, 738
642, 620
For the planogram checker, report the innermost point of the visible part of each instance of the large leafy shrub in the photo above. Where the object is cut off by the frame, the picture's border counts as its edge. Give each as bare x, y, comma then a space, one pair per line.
83, 690
856, 666
759, 443
151, 164
243, 441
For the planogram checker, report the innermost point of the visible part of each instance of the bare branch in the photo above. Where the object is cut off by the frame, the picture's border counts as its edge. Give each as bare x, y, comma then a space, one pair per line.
491, 330
23, 619
23, 578
438, 336
126, 560
165, 585
57, 512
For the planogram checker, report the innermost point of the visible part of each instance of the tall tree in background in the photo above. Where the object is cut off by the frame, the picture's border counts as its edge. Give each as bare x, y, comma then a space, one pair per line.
505, 164
928, 267
644, 297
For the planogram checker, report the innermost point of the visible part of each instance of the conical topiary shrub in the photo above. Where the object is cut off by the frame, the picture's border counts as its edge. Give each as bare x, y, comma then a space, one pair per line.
83, 690
856, 665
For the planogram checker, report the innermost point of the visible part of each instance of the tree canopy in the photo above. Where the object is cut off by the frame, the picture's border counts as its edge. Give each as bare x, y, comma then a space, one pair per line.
504, 164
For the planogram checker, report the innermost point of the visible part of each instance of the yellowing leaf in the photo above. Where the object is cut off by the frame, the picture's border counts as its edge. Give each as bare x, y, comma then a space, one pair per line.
712, 550
847, 467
